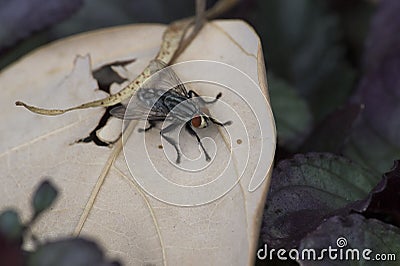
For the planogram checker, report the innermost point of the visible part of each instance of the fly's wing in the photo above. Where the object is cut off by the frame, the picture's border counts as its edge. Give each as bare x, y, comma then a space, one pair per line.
164, 78
137, 113
161, 80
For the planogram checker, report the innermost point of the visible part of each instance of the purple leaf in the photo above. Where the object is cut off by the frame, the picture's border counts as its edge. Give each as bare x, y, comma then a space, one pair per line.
308, 189
347, 236
332, 133
10, 252
19, 18
375, 141
384, 200
384, 38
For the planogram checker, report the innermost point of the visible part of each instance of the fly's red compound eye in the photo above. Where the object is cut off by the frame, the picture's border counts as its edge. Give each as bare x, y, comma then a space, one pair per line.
196, 121
199, 121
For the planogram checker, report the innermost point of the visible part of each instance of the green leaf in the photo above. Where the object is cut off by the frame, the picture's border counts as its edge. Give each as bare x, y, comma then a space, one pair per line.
44, 197
356, 233
68, 252
306, 190
292, 115
10, 225
303, 46
371, 149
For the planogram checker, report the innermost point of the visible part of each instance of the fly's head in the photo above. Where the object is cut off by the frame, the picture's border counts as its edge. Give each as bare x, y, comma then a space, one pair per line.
201, 120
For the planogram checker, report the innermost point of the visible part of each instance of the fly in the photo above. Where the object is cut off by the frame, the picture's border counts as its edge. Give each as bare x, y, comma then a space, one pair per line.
166, 98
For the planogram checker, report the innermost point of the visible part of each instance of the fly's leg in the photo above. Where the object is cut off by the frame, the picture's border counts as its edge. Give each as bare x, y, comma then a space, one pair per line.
193, 133
227, 123
193, 93
152, 124
170, 140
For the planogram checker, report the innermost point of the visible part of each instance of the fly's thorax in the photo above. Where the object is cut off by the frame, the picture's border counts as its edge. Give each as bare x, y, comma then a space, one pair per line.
180, 106
205, 111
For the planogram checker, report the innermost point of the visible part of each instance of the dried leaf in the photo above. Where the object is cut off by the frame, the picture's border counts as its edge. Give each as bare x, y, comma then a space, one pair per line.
98, 196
